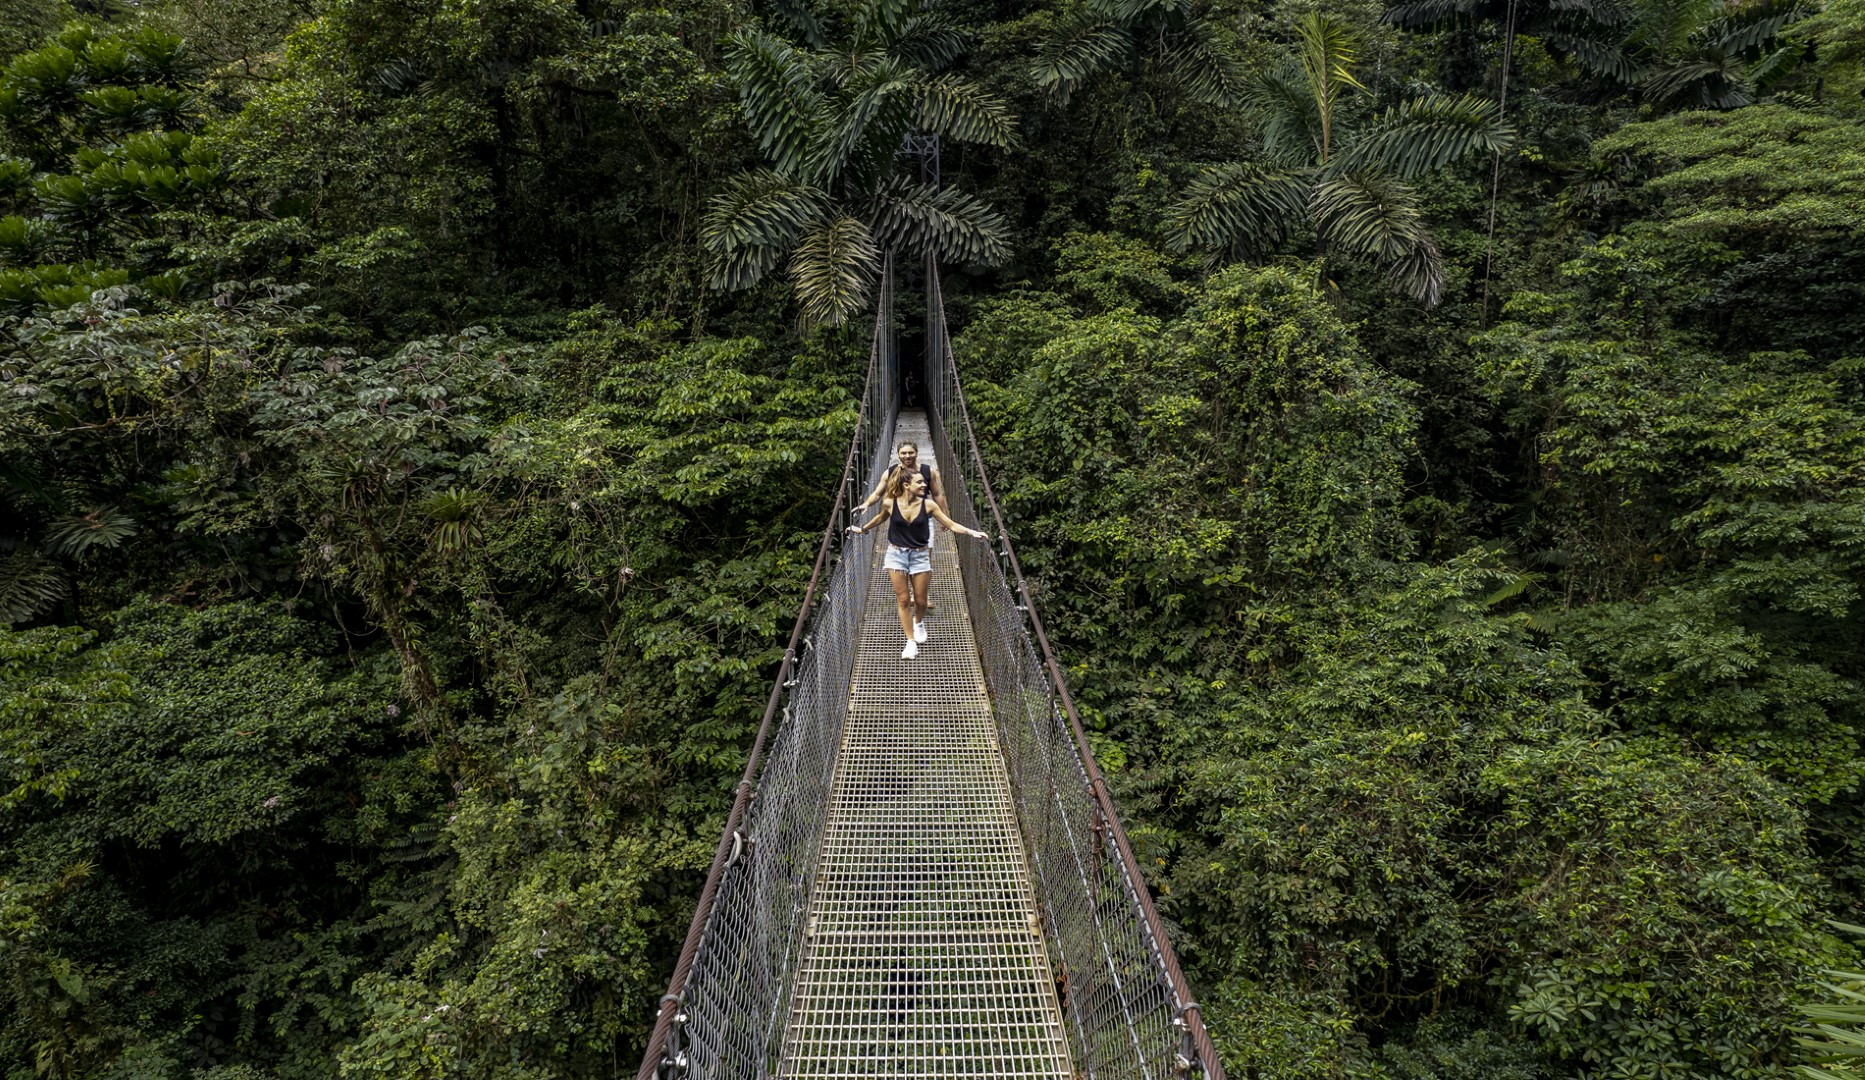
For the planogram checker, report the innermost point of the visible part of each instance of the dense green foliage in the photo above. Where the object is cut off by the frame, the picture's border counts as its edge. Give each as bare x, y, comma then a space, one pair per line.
400, 530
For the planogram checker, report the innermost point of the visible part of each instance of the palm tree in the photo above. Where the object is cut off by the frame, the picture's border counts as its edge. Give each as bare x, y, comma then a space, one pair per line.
1171, 35
1349, 181
831, 117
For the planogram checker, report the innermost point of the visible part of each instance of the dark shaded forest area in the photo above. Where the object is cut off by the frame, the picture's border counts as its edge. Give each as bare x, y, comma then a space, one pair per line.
1436, 432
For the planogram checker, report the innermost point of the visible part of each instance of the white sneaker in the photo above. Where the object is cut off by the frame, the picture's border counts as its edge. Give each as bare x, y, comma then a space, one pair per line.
912, 650
919, 632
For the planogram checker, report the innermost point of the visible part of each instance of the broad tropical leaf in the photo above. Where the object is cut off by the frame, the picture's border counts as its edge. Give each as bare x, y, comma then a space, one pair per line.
959, 109
1428, 133
943, 221
1237, 205
776, 85
757, 218
832, 269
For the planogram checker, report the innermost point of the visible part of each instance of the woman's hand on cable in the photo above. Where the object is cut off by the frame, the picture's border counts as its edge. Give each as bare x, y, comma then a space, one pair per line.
854, 529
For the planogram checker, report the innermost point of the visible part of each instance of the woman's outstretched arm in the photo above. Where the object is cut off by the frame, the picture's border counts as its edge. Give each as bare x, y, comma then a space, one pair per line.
887, 508
939, 514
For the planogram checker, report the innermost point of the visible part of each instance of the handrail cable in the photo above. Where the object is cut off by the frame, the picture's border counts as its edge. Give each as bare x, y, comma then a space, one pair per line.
663, 1050
1203, 1055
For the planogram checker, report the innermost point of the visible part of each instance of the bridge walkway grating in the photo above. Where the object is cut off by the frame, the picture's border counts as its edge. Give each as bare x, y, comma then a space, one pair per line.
923, 952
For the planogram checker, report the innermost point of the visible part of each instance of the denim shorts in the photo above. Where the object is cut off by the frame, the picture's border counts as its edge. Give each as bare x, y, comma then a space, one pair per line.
912, 560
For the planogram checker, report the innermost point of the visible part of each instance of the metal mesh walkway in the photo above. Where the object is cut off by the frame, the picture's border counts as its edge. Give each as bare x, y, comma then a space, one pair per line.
923, 872
923, 953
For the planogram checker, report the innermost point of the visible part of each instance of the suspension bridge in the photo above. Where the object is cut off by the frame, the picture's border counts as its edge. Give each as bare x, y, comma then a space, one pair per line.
923, 873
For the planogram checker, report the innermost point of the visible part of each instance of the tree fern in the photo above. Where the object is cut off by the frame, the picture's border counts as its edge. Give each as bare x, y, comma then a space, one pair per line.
95, 530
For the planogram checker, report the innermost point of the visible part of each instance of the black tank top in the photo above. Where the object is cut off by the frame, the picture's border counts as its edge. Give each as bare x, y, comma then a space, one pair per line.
910, 534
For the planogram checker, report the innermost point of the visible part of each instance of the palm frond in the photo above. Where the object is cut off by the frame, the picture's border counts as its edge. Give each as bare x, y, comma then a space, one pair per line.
776, 86
959, 109
1237, 205
1376, 215
751, 224
1419, 273
1134, 11
807, 25
1329, 48
1775, 66
833, 268
1662, 28
1200, 63
874, 108
1078, 54
1712, 80
1289, 121
943, 221
929, 41
1428, 133
1605, 59
29, 583
1750, 29
881, 21
1365, 213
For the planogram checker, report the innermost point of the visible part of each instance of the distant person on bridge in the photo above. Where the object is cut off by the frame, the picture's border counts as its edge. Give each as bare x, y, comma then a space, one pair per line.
909, 454
909, 515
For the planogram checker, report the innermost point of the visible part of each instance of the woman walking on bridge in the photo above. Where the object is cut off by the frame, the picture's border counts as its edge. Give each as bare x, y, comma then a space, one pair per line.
909, 515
